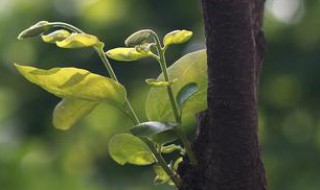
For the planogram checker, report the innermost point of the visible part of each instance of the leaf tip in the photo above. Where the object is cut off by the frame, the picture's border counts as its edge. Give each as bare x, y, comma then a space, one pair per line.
34, 30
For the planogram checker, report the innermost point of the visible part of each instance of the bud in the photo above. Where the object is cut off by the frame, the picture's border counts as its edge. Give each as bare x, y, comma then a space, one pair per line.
34, 30
177, 37
55, 36
138, 38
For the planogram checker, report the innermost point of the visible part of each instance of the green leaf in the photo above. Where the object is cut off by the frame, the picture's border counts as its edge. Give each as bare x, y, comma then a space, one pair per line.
176, 163
77, 40
138, 38
127, 54
34, 30
126, 148
156, 83
191, 68
159, 132
75, 83
161, 176
55, 36
70, 111
186, 93
177, 37
171, 148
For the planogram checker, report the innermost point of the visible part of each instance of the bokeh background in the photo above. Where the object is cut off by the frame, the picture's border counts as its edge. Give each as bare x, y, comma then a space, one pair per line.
35, 156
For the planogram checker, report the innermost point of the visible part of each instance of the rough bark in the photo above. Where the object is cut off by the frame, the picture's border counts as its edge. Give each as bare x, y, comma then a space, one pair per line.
227, 142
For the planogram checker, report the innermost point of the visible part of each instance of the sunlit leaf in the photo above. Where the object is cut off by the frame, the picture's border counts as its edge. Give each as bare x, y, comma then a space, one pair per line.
34, 30
75, 83
70, 111
139, 37
191, 68
127, 54
186, 93
156, 83
126, 148
77, 40
159, 132
55, 36
177, 37
171, 148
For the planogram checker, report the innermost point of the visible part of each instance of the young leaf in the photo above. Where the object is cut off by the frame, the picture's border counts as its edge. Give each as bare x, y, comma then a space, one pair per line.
159, 132
77, 40
191, 68
177, 37
75, 83
70, 111
161, 176
138, 38
126, 148
127, 54
34, 30
176, 163
55, 36
171, 148
185, 93
156, 83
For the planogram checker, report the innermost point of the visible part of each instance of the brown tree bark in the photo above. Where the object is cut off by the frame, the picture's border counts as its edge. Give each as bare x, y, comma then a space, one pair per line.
227, 145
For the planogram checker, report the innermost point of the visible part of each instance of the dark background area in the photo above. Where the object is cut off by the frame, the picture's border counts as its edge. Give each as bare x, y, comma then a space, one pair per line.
35, 156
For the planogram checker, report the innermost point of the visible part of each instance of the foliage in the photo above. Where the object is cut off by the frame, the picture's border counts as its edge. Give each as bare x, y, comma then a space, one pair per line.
35, 156
81, 91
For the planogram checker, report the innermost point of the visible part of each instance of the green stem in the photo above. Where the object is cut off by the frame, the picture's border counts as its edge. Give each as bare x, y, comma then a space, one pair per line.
107, 65
173, 102
163, 65
99, 50
66, 26
172, 174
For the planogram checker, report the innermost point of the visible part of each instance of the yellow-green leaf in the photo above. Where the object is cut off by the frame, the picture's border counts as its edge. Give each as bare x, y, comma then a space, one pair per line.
171, 148
156, 83
126, 148
127, 54
177, 37
34, 30
70, 111
75, 83
77, 40
161, 176
55, 36
191, 68
176, 163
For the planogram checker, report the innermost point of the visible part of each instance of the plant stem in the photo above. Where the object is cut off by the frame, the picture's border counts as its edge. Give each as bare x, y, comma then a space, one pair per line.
172, 174
107, 65
174, 105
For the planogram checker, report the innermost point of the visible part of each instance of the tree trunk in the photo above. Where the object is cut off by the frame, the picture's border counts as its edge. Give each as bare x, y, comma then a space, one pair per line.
227, 145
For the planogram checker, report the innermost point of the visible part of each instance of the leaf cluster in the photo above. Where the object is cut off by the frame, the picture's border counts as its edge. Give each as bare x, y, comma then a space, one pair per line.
179, 90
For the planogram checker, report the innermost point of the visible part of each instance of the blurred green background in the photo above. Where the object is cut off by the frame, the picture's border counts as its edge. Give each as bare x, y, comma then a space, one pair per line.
35, 156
